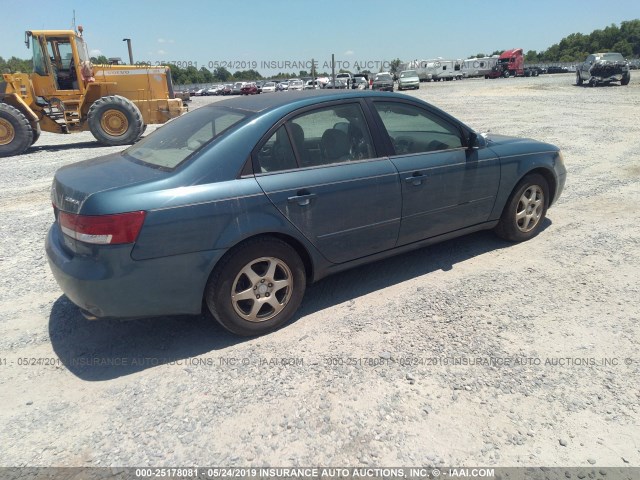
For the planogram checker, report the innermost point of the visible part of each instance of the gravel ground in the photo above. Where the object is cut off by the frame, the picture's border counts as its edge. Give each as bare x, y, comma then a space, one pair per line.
471, 352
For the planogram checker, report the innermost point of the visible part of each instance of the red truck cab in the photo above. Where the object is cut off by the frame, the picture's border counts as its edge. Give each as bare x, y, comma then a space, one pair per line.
510, 64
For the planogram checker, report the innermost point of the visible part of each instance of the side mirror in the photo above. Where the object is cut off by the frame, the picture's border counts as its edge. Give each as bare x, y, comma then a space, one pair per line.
472, 141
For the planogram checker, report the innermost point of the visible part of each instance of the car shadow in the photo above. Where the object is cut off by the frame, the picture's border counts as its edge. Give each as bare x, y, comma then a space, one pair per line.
106, 349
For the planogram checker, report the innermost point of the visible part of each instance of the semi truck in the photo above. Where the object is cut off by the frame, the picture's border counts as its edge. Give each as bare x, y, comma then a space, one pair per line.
510, 64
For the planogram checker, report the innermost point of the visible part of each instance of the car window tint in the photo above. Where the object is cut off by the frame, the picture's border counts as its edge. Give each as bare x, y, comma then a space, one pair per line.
277, 154
414, 130
331, 135
171, 144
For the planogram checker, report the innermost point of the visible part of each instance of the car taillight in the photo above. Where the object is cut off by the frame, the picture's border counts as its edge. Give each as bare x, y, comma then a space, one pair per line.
102, 229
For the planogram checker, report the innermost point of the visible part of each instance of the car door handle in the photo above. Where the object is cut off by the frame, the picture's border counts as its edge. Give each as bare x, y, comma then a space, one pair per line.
416, 179
302, 199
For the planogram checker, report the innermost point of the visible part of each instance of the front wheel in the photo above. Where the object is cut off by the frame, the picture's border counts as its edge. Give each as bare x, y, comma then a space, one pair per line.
115, 120
526, 209
257, 287
578, 79
16, 133
625, 80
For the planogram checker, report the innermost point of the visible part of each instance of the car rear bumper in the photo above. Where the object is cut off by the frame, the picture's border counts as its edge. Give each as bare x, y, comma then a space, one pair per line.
162, 286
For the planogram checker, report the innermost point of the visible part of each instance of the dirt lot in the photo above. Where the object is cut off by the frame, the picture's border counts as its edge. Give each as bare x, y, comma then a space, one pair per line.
472, 352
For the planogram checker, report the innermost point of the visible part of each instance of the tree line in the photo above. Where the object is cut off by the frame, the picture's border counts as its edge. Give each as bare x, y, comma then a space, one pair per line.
573, 48
624, 39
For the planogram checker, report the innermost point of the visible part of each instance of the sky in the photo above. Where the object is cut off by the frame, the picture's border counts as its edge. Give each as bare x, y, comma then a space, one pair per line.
243, 34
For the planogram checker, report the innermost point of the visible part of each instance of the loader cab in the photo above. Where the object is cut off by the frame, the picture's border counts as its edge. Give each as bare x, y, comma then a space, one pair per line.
57, 60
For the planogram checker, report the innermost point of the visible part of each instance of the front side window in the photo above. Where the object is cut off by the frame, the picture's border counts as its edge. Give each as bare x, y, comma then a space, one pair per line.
414, 130
174, 142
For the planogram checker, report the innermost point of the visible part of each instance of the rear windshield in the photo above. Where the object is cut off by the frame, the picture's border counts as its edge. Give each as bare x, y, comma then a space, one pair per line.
613, 57
176, 141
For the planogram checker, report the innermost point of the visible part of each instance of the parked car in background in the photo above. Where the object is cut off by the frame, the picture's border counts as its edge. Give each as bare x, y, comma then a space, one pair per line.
237, 88
347, 78
383, 81
359, 78
226, 89
311, 85
556, 69
296, 84
408, 79
282, 86
200, 92
603, 68
269, 87
339, 84
249, 89
239, 204
360, 83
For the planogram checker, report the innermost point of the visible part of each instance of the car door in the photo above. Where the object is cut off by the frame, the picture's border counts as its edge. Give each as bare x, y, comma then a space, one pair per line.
321, 171
445, 185
584, 68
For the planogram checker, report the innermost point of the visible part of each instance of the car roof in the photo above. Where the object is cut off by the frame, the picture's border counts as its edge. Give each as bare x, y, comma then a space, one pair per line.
259, 103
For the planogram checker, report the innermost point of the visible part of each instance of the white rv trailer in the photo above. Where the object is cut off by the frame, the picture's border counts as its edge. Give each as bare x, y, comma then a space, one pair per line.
479, 67
442, 69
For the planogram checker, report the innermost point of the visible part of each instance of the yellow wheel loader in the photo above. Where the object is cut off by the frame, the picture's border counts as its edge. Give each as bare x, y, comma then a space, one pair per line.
66, 93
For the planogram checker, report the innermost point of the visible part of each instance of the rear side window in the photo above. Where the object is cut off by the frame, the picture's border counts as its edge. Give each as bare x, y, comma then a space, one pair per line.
173, 143
414, 130
332, 134
277, 154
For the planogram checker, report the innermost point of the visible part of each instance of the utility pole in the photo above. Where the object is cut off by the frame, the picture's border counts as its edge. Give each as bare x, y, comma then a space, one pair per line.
333, 69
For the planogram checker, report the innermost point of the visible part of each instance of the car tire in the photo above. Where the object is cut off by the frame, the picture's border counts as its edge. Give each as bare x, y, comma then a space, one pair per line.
16, 134
625, 80
578, 79
525, 211
264, 268
115, 120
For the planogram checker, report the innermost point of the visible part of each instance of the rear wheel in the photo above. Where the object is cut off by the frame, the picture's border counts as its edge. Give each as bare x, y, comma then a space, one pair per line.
578, 79
257, 287
115, 120
526, 209
16, 134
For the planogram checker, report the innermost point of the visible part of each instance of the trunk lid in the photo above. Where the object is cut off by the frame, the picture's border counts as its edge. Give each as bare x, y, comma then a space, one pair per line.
74, 184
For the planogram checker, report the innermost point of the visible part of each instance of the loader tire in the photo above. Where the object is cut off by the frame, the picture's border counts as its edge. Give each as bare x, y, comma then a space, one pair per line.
115, 120
15, 131
35, 132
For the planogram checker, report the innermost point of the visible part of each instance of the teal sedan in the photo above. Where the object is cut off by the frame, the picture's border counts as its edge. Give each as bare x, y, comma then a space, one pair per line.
237, 206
